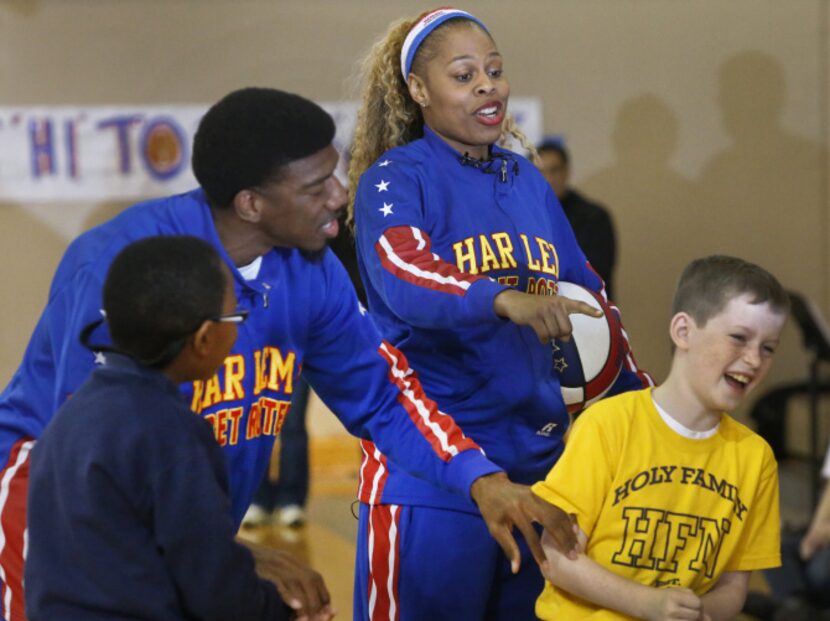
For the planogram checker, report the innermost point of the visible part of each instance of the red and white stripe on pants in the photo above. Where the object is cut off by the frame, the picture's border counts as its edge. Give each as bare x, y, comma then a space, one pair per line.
384, 562
14, 483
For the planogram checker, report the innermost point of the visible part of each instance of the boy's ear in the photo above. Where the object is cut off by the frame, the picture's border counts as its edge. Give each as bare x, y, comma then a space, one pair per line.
247, 205
680, 328
202, 339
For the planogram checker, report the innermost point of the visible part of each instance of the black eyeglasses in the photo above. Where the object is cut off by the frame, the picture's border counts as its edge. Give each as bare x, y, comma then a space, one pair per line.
171, 350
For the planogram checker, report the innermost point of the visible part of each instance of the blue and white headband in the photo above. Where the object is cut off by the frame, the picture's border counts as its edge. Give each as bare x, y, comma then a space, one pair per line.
422, 30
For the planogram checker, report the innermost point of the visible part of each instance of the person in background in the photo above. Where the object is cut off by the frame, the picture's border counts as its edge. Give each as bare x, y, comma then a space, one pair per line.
590, 221
283, 500
801, 586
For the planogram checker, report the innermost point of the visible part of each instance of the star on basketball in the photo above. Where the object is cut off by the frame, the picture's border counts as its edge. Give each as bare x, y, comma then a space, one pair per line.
560, 364
385, 163
100, 358
386, 209
382, 186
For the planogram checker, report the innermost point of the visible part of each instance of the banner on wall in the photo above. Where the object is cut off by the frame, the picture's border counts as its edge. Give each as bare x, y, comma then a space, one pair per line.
93, 153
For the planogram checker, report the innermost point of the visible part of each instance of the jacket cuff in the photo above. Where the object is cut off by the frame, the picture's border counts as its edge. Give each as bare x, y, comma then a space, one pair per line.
465, 468
479, 300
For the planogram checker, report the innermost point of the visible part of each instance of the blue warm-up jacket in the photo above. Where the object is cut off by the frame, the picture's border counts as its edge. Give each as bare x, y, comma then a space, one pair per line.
304, 315
439, 235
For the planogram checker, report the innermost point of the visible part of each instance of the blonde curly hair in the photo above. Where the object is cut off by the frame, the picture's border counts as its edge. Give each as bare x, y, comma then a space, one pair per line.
388, 117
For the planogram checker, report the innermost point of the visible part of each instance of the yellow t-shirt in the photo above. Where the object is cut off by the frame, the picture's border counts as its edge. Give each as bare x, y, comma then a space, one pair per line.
659, 508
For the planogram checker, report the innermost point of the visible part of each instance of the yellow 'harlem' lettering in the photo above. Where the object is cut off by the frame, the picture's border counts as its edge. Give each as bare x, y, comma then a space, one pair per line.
531, 262
212, 393
234, 372
465, 256
548, 261
489, 261
281, 369
488, 253
548, 252
505, 248
271, 367
198, 392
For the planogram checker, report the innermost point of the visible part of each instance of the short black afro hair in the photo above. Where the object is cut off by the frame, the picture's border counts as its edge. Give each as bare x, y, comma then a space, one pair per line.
249, 135
159, 290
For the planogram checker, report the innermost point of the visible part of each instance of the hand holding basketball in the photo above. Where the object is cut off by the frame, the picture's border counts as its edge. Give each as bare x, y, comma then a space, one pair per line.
547, 315
588, 363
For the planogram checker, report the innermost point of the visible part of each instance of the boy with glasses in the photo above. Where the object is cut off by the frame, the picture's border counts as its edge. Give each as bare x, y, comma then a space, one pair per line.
129, 513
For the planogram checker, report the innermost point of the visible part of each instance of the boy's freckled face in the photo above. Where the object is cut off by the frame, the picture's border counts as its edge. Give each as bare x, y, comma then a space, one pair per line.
733, 352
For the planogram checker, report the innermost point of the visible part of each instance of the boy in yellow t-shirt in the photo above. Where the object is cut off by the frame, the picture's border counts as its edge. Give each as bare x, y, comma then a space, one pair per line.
676, 501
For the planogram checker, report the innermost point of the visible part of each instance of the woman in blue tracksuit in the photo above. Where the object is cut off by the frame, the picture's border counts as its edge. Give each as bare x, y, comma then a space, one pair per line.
461, 244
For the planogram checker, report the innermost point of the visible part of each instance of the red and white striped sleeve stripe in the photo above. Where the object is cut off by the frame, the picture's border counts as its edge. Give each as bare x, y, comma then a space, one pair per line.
630, 363
440, 430
405, 251
384, 562
14, 483
373, 474
445, 437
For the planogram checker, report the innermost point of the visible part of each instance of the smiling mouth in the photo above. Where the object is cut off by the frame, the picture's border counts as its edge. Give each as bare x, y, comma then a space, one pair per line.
331, 228
738, 380
490, 114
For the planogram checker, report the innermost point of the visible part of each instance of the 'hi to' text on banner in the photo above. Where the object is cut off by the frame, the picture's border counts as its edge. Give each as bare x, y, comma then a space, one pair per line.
89, 153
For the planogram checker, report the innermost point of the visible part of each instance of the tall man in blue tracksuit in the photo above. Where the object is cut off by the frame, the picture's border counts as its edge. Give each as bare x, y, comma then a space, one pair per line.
268, 203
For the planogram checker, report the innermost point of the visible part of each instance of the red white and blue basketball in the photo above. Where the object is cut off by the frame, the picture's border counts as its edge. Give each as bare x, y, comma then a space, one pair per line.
590, 362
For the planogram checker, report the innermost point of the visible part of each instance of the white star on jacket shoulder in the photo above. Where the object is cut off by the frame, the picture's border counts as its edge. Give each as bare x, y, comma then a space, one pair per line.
385, 163
386, 209
100, 358
382, 186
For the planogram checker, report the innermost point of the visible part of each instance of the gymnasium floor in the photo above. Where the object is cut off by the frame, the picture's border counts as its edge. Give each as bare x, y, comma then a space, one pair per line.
326, 542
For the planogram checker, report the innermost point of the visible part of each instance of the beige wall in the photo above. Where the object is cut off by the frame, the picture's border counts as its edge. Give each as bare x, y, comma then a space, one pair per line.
701, 124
